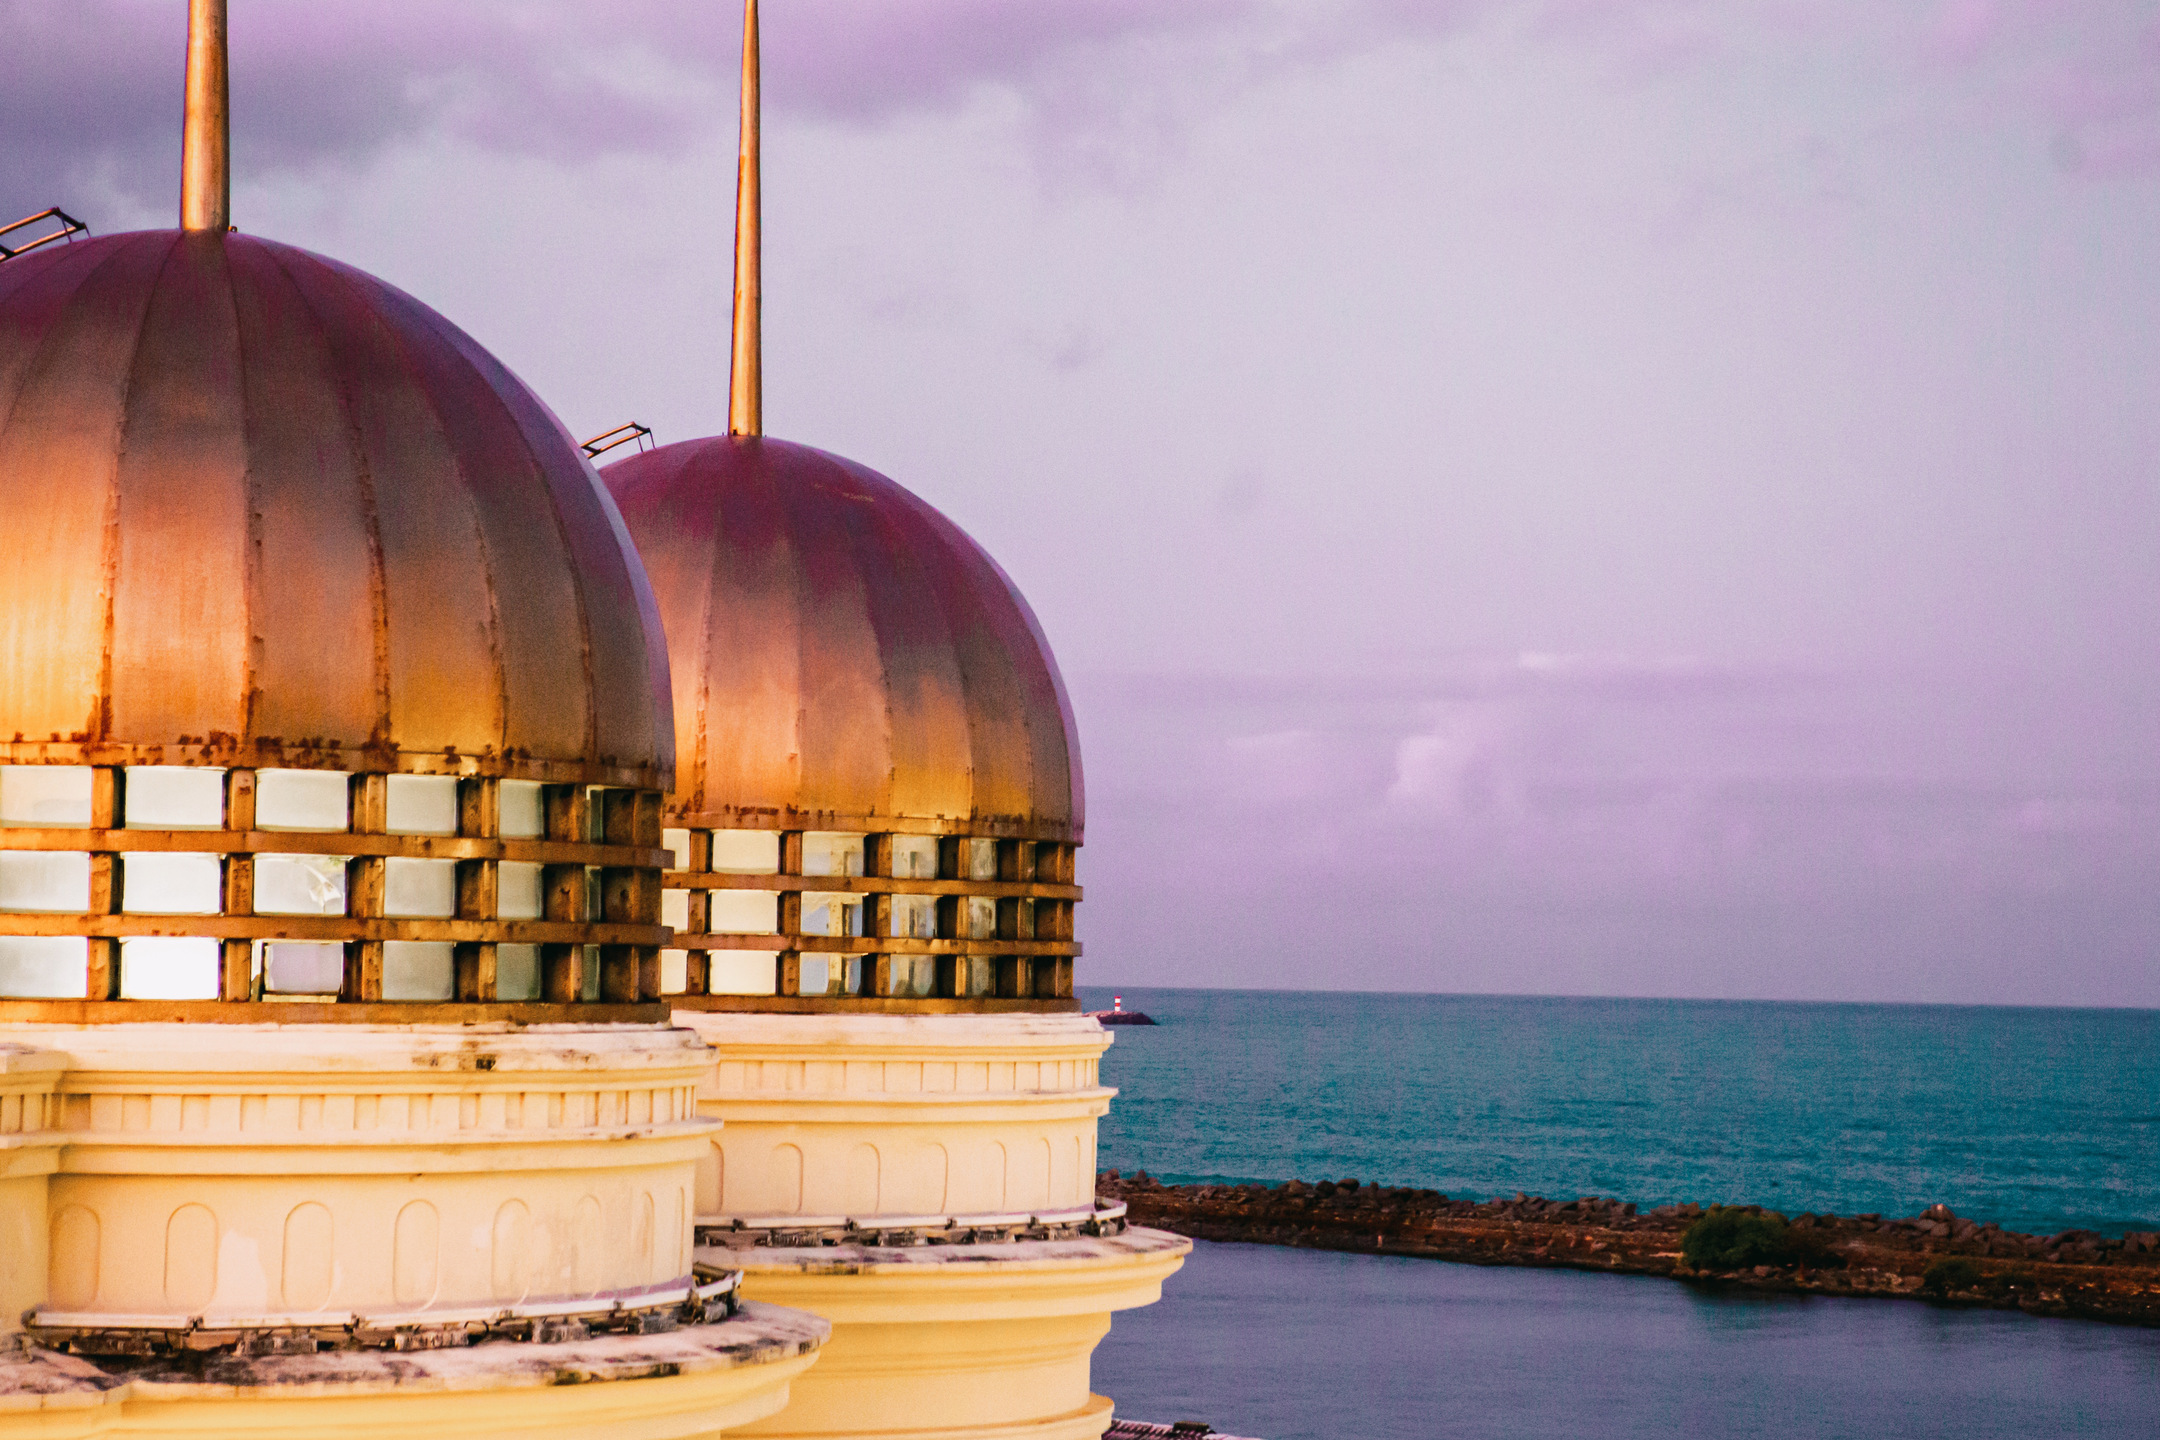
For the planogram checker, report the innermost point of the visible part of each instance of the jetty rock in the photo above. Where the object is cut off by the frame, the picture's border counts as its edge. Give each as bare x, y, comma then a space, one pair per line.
1936, 1256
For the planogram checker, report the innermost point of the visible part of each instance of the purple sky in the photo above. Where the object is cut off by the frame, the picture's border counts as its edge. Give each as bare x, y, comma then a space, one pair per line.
1584, 496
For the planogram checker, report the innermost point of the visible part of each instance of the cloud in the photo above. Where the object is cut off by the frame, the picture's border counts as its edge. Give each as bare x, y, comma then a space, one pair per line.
1838, 834
1568, 775
1104, 89
90, 90
1448, 769
2091, 72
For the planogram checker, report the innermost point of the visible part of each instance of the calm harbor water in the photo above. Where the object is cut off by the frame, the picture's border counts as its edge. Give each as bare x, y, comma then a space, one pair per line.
1300, 1345
2042, 1119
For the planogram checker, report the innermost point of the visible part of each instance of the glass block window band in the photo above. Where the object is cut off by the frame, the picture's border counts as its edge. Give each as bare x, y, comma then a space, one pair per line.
177, 884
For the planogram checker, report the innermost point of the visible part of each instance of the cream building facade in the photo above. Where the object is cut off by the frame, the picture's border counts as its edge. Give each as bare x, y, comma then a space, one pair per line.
394, 1029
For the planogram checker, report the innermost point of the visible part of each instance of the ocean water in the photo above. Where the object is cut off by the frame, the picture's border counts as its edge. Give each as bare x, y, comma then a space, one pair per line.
2042, 1120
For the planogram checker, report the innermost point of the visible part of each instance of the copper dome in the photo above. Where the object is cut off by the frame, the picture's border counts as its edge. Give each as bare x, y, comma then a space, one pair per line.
258, 508
846, 658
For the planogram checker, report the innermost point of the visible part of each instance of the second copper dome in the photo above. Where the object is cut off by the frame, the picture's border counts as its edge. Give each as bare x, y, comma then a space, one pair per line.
845, 657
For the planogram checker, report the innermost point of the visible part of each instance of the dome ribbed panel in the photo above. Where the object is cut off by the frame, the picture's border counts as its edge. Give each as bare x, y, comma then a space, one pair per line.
181, 526
845, 714
1052, 735
736, 561
312, 513
933, 754
72, 342
441, 672
612, 603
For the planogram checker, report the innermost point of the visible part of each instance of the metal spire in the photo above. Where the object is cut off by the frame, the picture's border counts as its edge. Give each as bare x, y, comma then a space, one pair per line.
746, 389
206, 139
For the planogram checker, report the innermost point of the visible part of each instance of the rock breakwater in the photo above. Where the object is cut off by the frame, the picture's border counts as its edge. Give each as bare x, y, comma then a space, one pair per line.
1936, 1256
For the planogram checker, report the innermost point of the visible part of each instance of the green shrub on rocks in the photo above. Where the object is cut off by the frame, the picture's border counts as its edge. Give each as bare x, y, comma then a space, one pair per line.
1737, 1238
1952, 1272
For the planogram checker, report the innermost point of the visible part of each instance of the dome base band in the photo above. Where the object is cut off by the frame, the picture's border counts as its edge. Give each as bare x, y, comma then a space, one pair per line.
873, 1005
312, 1011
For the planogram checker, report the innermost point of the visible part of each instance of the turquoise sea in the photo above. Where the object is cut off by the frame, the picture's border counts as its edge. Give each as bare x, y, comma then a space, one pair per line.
2042, 1119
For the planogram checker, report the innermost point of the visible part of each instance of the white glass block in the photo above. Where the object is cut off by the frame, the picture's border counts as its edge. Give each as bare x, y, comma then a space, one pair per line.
678, 845
303, 967
168, 967
517, 972
741, 972
982, 860
831, 914
915, 916
914, 976
978, 975
301, 799
178, 884
421, 805
57, 795
44, 967
832, 974
831, 852
746, 852
745, 912
981, 918
517, 890
300, 884
590, 975
520, 812
419, 970
175, 797
44, 880
674, 971
675, 909
914, 857
419, 888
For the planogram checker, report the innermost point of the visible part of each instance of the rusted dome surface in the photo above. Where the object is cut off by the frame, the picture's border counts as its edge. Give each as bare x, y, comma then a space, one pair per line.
259, 508
845, 657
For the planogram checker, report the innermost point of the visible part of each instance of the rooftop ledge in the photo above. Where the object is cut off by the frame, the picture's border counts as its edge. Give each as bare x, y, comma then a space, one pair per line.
1131, 1243
32, 1378
244, 1053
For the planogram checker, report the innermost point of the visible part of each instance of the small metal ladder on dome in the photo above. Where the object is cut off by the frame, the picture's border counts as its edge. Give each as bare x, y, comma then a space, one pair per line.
68, 228
621, 435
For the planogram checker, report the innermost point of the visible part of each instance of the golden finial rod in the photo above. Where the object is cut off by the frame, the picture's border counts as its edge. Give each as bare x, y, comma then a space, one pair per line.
746, 388
206, 140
